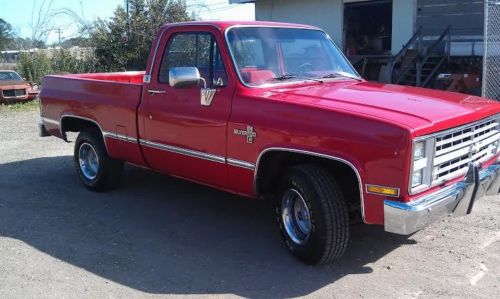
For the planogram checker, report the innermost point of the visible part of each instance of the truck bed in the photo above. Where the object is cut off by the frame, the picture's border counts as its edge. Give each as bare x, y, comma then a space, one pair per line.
109, 100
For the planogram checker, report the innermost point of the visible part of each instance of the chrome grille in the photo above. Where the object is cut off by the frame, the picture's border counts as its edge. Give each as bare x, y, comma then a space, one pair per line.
455, 149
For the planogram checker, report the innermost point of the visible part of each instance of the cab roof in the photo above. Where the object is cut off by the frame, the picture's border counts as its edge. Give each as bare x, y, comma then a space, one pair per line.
223, 25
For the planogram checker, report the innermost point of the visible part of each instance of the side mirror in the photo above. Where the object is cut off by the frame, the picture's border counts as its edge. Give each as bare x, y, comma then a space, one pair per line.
183, 77
179, 77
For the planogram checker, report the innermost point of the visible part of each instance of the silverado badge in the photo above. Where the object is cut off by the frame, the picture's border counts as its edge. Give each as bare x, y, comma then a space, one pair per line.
249, 133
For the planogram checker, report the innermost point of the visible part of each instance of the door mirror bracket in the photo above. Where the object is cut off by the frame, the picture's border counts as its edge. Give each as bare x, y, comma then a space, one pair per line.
207, 94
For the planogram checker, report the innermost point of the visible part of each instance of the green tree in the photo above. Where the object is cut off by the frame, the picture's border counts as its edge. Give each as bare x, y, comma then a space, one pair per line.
34, 66
62, 61
5, 34
123, 42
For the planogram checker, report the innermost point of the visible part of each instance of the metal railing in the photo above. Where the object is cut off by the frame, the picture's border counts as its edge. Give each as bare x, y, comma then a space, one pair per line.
422, 57
447, 50
412, 43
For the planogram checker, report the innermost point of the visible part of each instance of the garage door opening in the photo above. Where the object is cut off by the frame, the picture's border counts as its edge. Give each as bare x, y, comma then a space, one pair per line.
368, 27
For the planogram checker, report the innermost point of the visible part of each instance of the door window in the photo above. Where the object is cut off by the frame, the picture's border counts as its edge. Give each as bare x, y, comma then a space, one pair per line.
194, 50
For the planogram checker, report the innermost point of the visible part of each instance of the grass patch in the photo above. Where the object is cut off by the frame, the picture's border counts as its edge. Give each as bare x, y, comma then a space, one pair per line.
22, 106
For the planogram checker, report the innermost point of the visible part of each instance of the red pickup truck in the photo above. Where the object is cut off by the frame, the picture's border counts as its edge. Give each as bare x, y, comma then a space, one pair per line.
275, 111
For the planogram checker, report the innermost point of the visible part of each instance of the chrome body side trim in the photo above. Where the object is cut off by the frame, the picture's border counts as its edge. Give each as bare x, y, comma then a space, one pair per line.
183, 151
197, 154
50, 121
165, 147
458, 199
119, 137
320, 155
241, 163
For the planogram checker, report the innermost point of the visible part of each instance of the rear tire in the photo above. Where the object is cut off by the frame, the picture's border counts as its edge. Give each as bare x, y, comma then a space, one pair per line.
96, 170
312, 215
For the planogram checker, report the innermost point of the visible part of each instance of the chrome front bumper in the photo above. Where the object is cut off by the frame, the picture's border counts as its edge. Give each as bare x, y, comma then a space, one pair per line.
405, 218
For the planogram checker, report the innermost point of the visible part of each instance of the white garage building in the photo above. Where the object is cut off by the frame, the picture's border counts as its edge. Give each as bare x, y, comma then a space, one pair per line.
375, 32
403, 17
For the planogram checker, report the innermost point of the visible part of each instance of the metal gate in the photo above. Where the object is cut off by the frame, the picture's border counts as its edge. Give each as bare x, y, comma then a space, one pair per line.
491, 62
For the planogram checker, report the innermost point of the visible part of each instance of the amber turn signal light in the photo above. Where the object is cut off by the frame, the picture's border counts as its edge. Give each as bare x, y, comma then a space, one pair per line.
382, 190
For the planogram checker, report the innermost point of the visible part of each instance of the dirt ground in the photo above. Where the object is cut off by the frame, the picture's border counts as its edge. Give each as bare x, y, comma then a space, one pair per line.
159, 236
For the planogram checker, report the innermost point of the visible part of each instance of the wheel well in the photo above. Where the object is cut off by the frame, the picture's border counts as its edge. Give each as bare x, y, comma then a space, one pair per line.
273, 164
75, 124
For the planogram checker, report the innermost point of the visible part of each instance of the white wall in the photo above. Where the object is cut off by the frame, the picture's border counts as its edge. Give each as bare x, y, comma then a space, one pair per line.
404, 20
325, 14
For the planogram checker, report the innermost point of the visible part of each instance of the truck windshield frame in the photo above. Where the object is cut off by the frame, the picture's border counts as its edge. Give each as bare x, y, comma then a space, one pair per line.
271, 56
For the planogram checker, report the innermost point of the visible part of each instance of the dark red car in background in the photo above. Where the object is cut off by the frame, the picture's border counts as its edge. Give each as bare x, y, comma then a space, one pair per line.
13, 88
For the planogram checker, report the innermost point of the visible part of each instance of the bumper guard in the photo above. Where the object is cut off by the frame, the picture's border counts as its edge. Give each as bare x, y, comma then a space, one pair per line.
405, 218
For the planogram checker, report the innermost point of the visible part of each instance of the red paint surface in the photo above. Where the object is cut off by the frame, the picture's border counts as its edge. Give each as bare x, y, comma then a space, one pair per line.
370, 125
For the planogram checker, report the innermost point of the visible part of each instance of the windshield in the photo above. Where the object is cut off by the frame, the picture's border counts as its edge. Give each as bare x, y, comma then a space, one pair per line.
273, 55
8, 76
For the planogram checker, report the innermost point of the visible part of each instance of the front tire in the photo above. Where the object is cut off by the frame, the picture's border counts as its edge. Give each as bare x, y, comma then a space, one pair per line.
312, 215
96, 170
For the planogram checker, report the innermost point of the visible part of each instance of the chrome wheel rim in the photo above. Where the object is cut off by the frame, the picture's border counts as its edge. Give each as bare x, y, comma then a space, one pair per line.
296, 217
88, 160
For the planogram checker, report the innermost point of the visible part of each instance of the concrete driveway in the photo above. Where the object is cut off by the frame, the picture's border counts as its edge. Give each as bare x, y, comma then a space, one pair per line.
159, 236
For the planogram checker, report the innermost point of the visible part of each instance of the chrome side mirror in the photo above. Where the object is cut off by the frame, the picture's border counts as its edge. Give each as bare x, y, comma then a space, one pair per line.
179, 77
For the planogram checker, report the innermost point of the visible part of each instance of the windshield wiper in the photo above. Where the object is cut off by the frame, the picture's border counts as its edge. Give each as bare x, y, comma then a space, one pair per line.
342, 75
293, 76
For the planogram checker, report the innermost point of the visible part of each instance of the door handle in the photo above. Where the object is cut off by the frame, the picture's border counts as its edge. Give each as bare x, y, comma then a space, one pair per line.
153, 92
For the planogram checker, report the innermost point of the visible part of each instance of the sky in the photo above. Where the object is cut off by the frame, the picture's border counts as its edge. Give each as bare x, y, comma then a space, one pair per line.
19, 13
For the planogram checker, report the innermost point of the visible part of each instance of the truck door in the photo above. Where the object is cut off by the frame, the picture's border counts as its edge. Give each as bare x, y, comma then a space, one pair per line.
179, 135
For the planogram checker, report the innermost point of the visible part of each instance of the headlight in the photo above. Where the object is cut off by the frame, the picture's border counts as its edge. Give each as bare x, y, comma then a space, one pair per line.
419, 150
416, 178
421, 171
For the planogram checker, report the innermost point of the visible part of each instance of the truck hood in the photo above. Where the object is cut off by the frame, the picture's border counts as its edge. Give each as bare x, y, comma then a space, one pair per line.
420, 109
